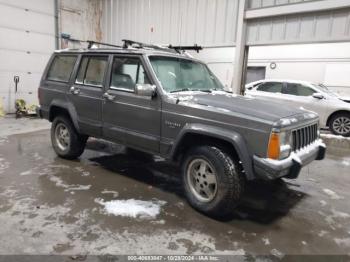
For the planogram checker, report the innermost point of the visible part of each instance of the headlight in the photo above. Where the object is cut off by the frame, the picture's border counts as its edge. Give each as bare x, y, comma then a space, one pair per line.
280, 145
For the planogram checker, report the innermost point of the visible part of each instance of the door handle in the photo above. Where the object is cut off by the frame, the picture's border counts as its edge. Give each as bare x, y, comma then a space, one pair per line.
108, 96
74, 91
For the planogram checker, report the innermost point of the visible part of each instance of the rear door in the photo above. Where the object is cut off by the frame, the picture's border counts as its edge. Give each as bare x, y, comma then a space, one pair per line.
86, 93
56, 80
128, 117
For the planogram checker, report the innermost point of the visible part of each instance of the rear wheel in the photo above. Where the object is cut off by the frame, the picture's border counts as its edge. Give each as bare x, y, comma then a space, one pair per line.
66, 141
212, 181
340, 124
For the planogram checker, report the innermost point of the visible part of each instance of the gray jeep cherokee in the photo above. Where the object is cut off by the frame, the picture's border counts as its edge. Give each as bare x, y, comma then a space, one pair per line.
171, 105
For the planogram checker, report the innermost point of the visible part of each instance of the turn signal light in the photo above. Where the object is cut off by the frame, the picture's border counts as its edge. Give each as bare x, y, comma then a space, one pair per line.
274, 146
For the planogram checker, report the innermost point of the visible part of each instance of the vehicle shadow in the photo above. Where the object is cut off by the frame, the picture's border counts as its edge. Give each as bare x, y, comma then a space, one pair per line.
263, 202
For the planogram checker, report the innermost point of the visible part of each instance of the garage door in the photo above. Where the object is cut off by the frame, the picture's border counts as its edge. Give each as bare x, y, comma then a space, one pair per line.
27, 38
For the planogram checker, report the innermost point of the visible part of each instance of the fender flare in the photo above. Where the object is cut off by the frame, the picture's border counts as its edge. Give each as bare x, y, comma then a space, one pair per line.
69, 108
234, 138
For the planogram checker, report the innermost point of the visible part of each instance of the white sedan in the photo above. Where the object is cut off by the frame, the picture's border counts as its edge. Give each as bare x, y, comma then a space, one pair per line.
334, 111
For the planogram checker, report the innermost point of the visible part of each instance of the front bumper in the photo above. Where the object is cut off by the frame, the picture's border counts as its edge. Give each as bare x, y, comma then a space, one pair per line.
269, 169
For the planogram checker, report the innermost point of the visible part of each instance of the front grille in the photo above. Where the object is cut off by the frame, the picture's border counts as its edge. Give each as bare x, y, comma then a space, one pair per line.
304, 136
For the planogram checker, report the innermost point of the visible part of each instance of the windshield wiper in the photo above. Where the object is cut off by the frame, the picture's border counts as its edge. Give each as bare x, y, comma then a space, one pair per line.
194, 90
180, 90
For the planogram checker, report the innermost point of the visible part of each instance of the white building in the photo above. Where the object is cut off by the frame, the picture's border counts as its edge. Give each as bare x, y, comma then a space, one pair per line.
322, 63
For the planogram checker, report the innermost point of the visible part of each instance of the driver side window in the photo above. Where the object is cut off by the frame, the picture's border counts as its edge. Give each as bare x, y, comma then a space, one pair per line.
127, 72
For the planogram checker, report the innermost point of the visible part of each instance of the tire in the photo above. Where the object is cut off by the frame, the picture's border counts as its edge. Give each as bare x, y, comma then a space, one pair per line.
70, 144
228, 177
339, 124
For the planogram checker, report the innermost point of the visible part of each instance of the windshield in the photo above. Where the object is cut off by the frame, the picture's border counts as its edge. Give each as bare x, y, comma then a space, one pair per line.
324, 89
177, 74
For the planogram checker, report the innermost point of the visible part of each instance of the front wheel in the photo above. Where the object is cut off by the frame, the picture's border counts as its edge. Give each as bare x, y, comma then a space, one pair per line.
66, 141
212, 181
340, 124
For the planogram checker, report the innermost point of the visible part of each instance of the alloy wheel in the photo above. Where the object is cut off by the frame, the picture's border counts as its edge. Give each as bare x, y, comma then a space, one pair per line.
202, 180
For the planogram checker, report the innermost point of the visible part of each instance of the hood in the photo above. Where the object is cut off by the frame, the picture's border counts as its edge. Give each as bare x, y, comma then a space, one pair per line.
231, 103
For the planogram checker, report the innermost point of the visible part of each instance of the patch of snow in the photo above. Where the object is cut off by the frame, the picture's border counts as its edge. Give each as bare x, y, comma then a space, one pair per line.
339, 214
82, 171
3, 164
78, 188
342, 241
277, 253
58, 166
335, 215
288, 121
323, 203
59, 183
3, 139
331, 136
132, 208
37, 156
115, 193
322, 233
345, 163
332, 194
158, 222
26, 173
266, 241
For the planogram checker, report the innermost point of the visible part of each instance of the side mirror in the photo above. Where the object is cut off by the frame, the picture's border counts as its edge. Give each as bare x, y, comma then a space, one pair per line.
145, 90
318, 96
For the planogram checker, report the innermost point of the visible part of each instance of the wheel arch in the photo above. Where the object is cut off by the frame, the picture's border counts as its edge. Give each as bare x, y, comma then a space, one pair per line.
230, 141
343, 111
62, 108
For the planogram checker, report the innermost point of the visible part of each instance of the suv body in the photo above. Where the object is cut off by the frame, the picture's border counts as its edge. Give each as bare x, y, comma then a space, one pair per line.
333, 110
135, 97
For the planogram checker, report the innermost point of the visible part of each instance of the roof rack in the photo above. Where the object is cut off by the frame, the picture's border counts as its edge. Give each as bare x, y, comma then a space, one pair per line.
169, 48
130, 43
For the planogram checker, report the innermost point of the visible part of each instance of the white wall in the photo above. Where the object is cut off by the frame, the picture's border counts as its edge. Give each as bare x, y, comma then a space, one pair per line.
186, 22
81, 19
322, 63
27, 39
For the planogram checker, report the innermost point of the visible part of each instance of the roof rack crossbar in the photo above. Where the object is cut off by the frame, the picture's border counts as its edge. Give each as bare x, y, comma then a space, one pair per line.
131, 43
91, 43
194, 47
169, 48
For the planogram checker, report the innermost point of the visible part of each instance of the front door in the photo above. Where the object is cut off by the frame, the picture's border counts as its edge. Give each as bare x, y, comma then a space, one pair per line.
300, 95
86, 93
128, 117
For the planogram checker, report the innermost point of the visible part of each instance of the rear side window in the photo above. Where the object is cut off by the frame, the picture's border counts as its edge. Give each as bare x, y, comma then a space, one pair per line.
92, 70
298, 90
61, 68
271, 87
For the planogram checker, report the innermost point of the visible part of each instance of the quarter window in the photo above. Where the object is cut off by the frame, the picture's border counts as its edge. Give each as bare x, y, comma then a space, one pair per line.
271, 87
61, 68
92, 71
127, 72
299, 90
